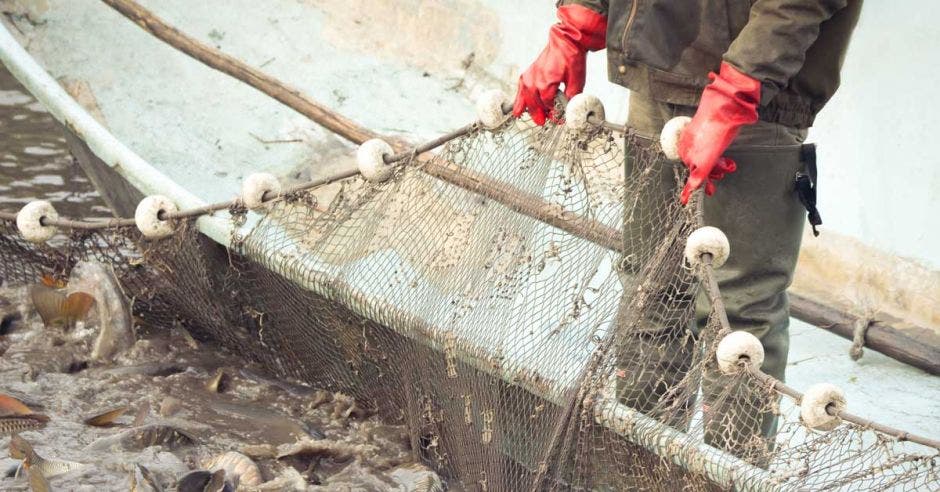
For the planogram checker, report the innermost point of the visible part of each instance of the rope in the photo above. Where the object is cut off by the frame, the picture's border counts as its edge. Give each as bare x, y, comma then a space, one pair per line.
714, 296
860, 330
432, 144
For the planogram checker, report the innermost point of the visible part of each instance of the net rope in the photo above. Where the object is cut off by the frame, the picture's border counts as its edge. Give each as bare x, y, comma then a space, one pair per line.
518, 354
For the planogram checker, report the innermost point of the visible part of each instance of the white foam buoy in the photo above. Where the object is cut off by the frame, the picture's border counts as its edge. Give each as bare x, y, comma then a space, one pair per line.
707, 240
669, 137
736, 346
815, 404
371, 160
580, 108
29, 221
147, 216
256, 185
489, 108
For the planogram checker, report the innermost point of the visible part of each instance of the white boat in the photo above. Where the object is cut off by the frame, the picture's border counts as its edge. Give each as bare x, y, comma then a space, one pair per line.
145, 119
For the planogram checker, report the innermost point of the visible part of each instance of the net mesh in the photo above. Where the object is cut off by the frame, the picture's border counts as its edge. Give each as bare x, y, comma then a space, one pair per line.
518, 354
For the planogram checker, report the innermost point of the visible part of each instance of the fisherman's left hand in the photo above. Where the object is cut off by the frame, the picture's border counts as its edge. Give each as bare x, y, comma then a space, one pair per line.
729, 102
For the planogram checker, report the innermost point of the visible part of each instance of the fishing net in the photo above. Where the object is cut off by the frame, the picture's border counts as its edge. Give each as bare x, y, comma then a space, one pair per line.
534, 328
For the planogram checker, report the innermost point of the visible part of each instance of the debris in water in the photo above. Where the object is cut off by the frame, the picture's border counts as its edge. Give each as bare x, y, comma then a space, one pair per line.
12, 424
239, 469
416, 477
106, 419
12, 406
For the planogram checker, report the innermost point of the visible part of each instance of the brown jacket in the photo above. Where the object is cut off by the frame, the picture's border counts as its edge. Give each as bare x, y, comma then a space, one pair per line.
666, 48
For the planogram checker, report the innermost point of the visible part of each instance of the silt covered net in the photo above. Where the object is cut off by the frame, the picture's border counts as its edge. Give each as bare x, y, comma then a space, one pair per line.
519, 301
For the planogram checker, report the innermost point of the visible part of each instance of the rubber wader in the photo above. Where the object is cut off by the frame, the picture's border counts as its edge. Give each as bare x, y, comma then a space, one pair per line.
759, 210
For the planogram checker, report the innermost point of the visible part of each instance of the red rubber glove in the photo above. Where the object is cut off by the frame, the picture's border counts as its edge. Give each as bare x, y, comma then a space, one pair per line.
562, 61
727, 104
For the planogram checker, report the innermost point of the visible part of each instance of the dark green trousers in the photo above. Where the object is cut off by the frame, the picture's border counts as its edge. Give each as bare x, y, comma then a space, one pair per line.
758, 209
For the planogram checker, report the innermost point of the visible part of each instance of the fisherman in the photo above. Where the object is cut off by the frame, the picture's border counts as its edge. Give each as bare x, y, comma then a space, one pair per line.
753, 74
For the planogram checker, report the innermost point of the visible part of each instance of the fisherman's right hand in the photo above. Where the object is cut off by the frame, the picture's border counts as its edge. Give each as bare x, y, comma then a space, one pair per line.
562, 61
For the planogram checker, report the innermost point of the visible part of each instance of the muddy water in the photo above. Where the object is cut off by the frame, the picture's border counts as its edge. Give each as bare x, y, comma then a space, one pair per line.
34, 159
300, 438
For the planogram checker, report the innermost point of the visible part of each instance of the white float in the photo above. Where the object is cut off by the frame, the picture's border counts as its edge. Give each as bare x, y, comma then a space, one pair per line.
29, 221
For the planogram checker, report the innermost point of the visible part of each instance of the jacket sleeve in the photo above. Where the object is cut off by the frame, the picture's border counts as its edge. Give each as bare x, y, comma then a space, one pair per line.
772, 45
599, 6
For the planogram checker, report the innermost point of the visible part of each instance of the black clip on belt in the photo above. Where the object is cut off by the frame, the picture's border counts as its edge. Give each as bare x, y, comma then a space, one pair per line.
806, 185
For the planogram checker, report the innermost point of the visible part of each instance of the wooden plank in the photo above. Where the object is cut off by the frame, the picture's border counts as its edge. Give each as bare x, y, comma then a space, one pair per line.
913, 345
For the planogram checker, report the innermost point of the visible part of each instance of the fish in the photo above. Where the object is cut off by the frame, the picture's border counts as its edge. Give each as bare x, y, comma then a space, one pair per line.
12, 406
14, 424
218, 483
33, 463
219, 382
239, 469
145, 436
106, 419
143, 480
194, 481
115, 323
60, 310
204, 481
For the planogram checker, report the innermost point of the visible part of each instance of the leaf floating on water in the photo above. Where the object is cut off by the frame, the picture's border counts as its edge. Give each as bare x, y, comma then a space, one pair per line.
219, 382
12, 424
106, 419
12, 406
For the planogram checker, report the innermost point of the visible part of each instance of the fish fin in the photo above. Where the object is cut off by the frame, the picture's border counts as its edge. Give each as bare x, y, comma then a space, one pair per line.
49, 303
77, 305
142, 413
50, 281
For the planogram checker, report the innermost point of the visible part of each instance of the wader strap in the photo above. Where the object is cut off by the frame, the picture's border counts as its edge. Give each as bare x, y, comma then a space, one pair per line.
806, 185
